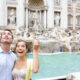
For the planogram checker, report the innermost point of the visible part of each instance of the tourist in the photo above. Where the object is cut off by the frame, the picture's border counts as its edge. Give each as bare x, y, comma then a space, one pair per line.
7, 57
22, 64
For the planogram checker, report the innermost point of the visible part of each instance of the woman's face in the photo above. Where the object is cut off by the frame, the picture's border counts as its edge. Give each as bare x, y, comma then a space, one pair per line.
21, 49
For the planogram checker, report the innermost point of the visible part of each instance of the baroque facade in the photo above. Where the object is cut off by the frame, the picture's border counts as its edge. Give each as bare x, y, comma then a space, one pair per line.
39, 14
57, 21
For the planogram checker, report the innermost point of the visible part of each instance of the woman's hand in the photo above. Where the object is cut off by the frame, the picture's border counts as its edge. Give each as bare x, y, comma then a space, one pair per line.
36, 44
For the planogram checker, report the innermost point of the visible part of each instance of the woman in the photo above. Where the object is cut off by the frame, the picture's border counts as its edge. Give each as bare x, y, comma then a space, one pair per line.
22, 64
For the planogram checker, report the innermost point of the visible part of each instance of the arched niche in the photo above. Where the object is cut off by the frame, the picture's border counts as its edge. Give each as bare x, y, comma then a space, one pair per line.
37, 7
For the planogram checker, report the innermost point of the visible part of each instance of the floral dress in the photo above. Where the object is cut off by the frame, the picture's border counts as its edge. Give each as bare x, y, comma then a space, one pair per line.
20, 74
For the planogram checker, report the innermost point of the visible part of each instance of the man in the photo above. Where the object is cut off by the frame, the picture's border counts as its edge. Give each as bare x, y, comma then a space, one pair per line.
7, 57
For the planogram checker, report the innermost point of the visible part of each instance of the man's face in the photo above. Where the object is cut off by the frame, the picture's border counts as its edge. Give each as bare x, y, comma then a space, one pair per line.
6, 37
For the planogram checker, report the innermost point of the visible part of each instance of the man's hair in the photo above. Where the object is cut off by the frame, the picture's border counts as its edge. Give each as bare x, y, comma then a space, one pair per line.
7, 30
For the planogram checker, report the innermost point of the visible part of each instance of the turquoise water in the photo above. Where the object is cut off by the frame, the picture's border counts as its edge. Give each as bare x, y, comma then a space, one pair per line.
57, 65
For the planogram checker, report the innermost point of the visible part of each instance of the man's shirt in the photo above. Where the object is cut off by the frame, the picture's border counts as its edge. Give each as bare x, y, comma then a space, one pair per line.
6, 64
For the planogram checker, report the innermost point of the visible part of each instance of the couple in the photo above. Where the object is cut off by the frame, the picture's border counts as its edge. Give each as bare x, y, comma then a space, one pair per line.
10, 65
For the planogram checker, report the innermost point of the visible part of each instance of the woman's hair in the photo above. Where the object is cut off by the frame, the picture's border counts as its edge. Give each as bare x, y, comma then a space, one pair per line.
22, 41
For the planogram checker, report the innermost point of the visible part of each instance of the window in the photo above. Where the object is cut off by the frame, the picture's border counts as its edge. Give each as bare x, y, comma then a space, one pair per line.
57, 2
69, 2
78, 2
69, 20
78, 20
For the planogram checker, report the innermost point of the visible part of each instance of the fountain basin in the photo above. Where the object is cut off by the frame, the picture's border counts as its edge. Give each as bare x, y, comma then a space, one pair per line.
56, 65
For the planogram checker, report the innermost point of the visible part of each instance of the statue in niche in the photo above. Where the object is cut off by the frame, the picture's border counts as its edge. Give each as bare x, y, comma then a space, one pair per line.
36, 23
57, 19
35, 19
12, 17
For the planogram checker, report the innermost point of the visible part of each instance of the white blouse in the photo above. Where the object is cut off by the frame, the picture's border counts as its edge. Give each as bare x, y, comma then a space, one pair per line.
21, 74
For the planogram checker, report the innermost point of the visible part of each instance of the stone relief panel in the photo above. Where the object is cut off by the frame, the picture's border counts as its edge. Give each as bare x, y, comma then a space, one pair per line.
11, 16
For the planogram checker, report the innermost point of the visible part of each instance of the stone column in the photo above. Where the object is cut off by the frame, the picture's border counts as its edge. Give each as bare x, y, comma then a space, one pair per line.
6, 14
64, 14
45, 19
50, 14
40, 16
20, 13
2, 12
27, 20
74, 14
28, 16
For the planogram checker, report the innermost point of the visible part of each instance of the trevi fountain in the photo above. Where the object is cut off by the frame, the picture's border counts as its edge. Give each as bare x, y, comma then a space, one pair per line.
55, 23
44, 20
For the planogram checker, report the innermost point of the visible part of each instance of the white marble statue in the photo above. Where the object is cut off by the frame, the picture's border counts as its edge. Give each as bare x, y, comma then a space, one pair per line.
12, 17
36, 23
57, 19
73, 76
34, 15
